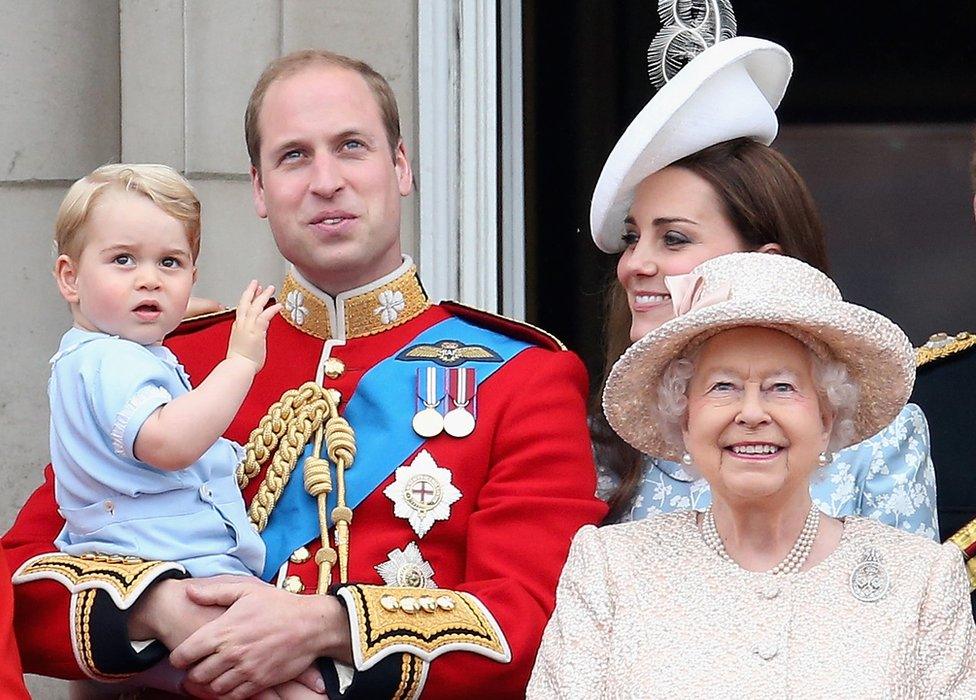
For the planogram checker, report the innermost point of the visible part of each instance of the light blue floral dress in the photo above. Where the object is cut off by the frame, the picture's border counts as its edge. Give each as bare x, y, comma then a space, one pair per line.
888, 477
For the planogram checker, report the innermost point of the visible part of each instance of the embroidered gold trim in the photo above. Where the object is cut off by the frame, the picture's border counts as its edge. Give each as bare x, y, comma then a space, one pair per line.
942, 345
81, 631
411, 675
426, 622
971, 570
965, 539
381, 308
123, 578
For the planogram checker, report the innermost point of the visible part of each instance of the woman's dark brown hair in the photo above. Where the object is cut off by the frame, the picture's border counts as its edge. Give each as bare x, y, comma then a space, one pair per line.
766, 201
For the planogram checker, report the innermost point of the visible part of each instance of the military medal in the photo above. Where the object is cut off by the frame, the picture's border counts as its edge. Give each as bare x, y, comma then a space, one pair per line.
428, 421
407, 568
459, 421
422, 493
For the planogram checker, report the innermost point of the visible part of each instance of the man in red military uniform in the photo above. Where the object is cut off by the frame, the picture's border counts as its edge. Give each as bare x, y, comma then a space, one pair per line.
435, 534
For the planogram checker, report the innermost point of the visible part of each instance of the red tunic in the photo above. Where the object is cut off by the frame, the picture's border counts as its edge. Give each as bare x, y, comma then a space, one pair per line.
525, 474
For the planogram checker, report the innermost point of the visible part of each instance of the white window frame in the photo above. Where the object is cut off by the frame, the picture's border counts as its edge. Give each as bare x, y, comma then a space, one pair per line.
465, 110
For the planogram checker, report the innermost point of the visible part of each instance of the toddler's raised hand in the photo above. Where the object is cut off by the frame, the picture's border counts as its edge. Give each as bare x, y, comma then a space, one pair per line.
248, 335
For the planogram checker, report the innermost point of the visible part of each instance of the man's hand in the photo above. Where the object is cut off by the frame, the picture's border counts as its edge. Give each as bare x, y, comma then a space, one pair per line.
198, 306
266, 638
308, 685
248, 335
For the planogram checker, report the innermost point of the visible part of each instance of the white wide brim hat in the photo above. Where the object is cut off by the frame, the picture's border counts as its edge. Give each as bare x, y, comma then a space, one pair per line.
728, 91
772, 291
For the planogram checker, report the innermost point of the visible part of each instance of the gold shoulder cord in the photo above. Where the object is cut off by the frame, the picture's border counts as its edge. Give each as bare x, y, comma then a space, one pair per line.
942, 345
292, 421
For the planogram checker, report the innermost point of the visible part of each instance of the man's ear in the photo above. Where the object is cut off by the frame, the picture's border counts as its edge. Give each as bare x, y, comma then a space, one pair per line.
66, 275
257, 192
404, 174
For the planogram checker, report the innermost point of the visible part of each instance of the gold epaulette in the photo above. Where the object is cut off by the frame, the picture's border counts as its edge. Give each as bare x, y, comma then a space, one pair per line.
504, 324
965, 539
123, 578
424, 622
942, 345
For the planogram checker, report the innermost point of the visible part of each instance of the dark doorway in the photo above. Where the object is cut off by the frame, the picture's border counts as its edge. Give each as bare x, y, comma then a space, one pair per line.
877, 119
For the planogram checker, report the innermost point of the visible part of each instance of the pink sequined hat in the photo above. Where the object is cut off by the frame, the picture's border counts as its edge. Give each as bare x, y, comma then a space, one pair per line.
772, 291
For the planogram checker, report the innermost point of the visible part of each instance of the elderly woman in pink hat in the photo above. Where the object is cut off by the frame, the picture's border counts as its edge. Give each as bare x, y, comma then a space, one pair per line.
763, 370
693, 177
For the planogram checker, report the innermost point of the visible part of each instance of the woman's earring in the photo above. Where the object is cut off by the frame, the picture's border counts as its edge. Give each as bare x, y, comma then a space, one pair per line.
824, 458
686, 459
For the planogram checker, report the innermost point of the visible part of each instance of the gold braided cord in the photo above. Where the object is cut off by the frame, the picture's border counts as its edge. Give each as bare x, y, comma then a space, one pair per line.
298, 431
290, 423
264, 438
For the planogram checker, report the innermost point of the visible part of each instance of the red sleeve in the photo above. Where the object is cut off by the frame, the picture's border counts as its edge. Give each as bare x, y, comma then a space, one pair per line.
540, 491
58, 631
41, 607
11, 674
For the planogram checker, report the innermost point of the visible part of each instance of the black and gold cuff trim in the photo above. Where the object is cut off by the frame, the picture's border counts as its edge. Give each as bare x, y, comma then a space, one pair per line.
100, 639
123, 578
425, 622
397, 677
103, 588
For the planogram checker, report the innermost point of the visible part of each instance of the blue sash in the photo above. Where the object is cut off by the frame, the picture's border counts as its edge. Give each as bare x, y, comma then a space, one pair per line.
380, 412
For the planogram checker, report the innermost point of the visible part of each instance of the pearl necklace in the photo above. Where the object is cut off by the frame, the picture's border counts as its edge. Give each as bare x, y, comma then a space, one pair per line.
794, 559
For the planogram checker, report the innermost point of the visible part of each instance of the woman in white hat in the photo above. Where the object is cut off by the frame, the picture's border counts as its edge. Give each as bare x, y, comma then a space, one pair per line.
762, 371
691, 178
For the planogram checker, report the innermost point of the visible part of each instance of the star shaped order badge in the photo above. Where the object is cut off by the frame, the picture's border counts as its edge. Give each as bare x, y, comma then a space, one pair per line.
406, 567
422, 493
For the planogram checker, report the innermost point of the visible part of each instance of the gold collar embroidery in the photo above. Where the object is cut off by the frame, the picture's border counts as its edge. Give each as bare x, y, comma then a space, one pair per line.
373, 308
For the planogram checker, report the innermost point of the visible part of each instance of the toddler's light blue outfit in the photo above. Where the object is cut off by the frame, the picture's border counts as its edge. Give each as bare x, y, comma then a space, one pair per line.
102, 390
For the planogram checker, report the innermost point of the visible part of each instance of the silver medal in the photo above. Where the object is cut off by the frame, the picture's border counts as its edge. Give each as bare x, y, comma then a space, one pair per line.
428, 421
458, 423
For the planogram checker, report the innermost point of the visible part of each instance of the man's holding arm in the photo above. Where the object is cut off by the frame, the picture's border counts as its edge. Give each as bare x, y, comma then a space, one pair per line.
458, 526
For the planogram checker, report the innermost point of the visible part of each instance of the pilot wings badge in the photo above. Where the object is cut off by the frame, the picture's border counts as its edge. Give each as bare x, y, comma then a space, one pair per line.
448, 353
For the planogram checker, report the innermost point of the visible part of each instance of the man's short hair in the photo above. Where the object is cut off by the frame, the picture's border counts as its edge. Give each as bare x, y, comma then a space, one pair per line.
297, 61
167, 189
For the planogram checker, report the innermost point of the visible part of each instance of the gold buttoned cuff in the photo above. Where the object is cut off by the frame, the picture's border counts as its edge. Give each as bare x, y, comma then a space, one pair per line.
97, 626
123, 578
425, 622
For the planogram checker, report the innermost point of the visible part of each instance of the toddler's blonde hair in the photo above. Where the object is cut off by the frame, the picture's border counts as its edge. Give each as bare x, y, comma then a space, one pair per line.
160, 183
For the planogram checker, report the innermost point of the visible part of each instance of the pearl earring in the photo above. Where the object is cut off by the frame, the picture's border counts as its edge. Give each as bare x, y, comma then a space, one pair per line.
686, 459
824, 458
